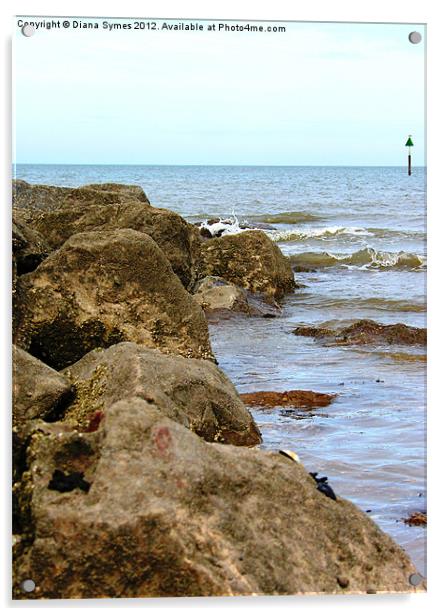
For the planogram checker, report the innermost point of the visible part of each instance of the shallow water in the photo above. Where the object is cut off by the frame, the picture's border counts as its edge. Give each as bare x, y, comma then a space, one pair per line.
371, 440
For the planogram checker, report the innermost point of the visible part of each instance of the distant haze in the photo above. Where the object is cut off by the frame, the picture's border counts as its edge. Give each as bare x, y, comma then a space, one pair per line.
318, 94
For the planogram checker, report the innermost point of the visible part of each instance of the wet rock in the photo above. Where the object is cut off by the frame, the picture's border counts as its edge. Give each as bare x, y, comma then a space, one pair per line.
205, 233
38, 392
296, 398
167, 514
249, 260
43, 197
216, 295
101, 288
367, 332
193, 392
418, 518
173, 234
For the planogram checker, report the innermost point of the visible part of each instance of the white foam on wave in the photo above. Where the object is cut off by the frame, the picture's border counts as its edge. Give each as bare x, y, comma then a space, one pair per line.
367, 258
324, 232
228, 225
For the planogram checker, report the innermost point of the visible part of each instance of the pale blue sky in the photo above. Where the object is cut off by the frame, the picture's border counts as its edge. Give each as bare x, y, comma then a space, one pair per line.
319, 94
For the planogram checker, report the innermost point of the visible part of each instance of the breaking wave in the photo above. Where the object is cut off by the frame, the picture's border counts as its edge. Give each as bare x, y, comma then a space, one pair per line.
292, 235
366, 258
287, 217
326, 233
226, 226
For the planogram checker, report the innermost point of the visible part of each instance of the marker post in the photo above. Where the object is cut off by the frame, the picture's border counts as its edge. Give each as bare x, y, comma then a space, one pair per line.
409, 144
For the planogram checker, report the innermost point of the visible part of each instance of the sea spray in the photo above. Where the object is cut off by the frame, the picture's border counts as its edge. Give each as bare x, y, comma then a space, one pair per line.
227, 226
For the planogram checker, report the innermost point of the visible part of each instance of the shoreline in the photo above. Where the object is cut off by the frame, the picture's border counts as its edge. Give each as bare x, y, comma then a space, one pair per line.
268, 277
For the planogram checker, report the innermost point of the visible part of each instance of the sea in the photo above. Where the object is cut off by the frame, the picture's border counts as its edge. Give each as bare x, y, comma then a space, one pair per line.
357, 239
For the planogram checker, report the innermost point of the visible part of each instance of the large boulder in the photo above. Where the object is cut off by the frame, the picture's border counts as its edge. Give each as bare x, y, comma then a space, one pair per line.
173, 234
193, 392
43, 197
38, 392
101, 288
250, 260
145, 508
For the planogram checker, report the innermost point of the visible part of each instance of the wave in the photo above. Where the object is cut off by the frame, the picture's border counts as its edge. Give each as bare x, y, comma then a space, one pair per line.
397, 356
357, 304
287, 217
367, 258
299, 234
292, 235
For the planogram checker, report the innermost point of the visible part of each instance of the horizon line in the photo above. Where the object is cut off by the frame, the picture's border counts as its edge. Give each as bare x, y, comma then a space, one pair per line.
201, 165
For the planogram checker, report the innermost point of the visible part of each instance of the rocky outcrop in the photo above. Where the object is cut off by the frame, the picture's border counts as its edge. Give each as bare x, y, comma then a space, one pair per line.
296, 398
192, 392
143, 507
216, 296
43, 197
101, 288
249, 260
175, 237
38, 392
366, 332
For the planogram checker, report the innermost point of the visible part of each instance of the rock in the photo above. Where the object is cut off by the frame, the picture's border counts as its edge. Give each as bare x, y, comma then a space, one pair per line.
250, 260
28, 247
38, 392
173, 234
132, 191
43, 197
193, 392
367, 332
101, 288
205, 233
168, 515
296, 398
216, 295
418, 518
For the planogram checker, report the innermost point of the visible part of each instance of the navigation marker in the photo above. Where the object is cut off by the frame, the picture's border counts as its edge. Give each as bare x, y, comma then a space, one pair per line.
410, 144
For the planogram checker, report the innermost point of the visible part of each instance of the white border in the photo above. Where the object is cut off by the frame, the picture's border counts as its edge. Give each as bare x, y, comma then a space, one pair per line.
429, 11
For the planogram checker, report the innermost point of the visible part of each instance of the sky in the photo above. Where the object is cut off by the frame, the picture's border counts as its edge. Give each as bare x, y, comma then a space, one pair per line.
317, 94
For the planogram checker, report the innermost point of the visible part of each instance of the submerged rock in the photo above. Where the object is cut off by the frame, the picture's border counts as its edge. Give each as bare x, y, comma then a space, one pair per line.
215, 296
192, 392
250, 260
418, 518
367, 332
101, 288
297, 398
162, 513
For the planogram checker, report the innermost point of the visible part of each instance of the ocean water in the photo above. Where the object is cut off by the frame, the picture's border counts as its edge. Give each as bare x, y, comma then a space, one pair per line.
357, 237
